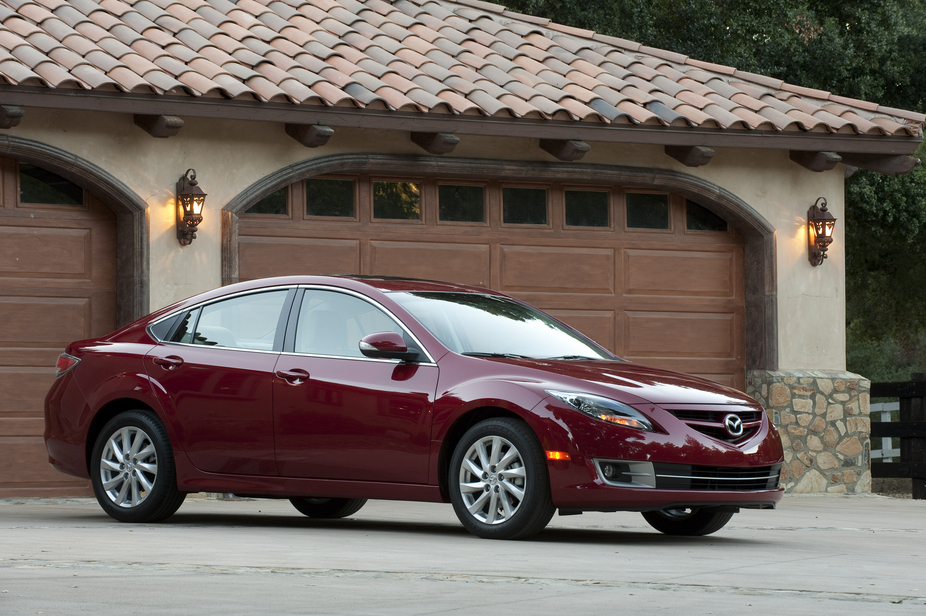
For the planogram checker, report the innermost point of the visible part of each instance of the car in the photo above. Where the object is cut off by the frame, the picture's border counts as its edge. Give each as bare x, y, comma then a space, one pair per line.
331, 390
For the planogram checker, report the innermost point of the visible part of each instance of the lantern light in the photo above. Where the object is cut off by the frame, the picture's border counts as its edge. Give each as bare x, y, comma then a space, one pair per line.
820, 227
190, 202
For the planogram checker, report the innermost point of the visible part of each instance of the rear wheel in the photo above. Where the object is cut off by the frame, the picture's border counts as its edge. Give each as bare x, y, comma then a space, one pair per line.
691, 521
328, 508
132, 469
498, 481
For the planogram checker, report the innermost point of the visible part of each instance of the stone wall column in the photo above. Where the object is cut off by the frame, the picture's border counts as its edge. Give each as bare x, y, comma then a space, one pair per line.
823, 419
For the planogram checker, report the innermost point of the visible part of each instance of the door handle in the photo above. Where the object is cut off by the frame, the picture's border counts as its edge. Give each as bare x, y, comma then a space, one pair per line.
168, 363
295, 376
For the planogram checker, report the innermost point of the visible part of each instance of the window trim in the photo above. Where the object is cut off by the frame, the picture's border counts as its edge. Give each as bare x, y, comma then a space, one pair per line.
284, 313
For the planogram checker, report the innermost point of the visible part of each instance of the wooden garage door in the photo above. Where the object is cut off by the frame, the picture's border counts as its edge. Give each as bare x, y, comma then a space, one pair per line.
653, 277
57, 284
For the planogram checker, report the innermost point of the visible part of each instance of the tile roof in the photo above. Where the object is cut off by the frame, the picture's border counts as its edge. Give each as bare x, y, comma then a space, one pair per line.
422, 56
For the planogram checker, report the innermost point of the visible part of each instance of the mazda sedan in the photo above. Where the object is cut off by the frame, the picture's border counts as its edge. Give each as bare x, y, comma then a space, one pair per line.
329, 391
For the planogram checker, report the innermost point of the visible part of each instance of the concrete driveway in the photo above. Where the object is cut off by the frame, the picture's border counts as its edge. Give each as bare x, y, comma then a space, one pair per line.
814, 555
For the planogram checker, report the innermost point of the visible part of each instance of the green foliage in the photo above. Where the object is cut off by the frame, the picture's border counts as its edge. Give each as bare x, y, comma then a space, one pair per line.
873, 50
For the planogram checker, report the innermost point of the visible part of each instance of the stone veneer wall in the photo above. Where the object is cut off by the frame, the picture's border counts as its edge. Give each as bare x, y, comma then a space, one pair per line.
823, 419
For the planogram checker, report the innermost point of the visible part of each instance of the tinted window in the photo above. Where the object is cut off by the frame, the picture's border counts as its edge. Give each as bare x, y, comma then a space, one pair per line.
702, 219
162, 328
645, 211
184, 331
274, 203
461, 203
586, 208
332, 323
396, 200
329, 198
524, 206
245, 322
36, 185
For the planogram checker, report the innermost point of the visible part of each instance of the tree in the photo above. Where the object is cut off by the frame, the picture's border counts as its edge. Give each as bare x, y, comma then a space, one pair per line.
873, 50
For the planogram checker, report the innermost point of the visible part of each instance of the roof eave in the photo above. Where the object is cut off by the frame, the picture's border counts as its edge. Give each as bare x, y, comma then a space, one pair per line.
149, 104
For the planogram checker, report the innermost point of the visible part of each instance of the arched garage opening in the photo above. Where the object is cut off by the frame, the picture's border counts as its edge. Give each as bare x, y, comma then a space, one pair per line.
73, 265
659, 293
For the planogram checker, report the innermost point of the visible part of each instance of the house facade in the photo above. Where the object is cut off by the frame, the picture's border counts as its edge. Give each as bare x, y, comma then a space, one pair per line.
657, 203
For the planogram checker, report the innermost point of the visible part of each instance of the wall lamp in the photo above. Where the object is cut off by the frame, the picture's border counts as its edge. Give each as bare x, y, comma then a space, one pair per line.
820, 224
190, 202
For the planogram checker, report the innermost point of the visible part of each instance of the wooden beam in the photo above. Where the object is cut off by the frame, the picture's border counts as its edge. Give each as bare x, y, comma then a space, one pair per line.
691, 156
160, 126
10, 115
565, 149
310, 135
815, 161
888, 165
850, 170
436, 143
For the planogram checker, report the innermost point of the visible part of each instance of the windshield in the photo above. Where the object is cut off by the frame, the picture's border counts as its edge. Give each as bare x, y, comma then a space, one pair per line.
491, 326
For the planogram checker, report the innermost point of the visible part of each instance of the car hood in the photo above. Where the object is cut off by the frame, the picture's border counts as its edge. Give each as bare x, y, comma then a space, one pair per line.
632, 380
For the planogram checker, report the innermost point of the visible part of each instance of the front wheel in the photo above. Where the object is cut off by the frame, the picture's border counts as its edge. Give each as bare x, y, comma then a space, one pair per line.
498, 481
689, 522
328, 508
132, 469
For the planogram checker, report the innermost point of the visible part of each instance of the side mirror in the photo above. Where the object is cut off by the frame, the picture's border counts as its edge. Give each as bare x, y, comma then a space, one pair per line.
386, 345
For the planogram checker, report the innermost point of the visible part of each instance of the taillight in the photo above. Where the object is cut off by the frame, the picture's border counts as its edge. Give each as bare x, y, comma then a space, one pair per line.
65, 363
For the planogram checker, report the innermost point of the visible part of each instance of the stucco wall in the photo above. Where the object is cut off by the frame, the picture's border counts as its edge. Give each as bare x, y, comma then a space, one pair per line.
229, 156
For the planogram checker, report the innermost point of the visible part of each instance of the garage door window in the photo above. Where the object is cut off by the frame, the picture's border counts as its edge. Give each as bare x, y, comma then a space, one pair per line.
700, 218
647, 211
587, 208
461, 203
36, 185
274, 203
524, 206
397, 200
334, 198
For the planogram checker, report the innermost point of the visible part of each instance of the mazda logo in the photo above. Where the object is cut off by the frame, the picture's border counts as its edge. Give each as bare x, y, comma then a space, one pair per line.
733, 424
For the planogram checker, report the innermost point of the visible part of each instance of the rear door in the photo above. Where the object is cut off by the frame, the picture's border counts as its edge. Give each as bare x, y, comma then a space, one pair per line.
215, 377
340, 415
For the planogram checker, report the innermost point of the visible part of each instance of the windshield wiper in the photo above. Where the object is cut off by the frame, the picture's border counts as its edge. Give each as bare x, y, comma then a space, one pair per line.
506, 355
570, 357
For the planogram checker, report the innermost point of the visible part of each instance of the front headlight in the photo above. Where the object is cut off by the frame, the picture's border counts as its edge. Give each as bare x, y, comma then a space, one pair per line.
605, 409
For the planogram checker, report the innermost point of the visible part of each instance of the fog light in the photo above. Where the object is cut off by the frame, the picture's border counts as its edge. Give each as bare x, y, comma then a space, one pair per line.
607, 470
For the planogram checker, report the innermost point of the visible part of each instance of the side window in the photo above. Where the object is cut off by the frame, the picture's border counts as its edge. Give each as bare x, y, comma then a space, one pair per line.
332, 323
245, 322
184, 331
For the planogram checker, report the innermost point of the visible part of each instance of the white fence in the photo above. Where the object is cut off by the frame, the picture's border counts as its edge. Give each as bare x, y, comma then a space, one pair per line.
887, 451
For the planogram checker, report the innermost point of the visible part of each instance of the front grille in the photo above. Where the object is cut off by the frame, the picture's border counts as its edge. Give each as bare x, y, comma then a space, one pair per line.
710, 421
707, 478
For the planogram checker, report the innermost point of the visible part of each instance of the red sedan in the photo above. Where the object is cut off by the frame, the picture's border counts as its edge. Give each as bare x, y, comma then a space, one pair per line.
332, 390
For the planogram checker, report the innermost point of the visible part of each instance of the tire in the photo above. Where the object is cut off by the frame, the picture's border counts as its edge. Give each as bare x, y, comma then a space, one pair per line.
328, 508
692, 522
511, 498
145, 488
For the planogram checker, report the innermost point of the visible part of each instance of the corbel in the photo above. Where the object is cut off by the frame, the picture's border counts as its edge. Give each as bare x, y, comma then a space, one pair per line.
565, 149
815, 161
310, 135
691, 156
10, 115
160, 126
888, 165
436, 143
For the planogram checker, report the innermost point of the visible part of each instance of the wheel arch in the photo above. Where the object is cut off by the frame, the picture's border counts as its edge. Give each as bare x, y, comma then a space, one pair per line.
456, 431
108, 411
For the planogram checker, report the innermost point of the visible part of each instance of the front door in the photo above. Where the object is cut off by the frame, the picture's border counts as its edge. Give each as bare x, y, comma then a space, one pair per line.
340, 415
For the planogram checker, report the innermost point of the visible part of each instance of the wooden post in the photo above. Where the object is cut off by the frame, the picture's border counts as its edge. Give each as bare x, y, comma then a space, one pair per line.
913, 450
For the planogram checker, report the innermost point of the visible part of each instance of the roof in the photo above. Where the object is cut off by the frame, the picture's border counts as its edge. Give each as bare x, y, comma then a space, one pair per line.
427, 58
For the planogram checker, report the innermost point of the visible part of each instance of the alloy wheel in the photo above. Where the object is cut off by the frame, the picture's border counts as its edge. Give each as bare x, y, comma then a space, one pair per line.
492, 480
128, 466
